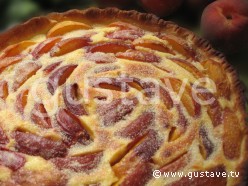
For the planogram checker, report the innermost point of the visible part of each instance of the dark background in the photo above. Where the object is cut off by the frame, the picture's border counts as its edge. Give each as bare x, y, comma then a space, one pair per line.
15, 11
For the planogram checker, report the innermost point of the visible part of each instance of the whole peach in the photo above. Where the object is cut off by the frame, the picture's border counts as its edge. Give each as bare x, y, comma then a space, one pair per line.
161, 7
225, 24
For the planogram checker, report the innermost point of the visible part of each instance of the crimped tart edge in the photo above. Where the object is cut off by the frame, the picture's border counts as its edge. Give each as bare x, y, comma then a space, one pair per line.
40, 25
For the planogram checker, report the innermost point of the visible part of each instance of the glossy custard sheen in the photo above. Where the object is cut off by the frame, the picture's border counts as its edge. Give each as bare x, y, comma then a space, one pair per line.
98, 105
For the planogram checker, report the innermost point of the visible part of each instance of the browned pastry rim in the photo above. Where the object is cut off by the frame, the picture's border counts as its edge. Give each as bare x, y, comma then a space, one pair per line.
150, 22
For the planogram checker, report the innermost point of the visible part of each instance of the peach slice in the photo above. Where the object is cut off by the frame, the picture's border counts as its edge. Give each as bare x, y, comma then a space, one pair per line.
124, 26
180, 46
28, 177
70, 96
142, 152
138, 176
110, 113
12, 160
136, 84
69, 45
44, 47
72, 126
216, 181
187, 66
65, 27
23, 73
182, 121
125, 35
146, 87
17, 49
110, 47
214, 111
51, 67
175, 132
3, 138
141, 56
116, 84
100, 57
148, 146
21, 101
138, 127
40, 117
166, 98
105, 68
154, 45
216, 72
59, 77
206, 146
190, 104
6, 62
4, 91
232, 133
81, 163
39, 146
178, 147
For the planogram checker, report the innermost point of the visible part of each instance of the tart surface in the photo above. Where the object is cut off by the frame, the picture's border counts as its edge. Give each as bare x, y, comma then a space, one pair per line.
105, 97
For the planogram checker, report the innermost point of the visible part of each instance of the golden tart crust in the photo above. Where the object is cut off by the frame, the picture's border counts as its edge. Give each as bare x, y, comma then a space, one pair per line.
54, 132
